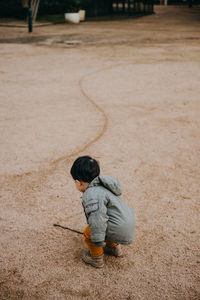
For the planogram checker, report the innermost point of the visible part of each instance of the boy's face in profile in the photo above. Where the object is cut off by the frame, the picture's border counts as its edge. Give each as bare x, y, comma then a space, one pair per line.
81, 185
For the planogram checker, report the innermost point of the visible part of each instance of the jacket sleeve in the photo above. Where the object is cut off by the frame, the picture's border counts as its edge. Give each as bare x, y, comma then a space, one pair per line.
96, 214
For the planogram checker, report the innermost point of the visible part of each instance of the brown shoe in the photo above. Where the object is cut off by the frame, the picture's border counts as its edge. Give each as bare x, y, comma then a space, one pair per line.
95, 261
114, 251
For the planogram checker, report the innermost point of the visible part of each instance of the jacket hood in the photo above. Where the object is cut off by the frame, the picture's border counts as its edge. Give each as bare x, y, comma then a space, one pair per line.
109, 182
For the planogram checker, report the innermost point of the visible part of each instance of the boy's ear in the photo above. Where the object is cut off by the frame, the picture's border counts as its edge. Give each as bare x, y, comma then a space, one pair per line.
81, 185
78, 182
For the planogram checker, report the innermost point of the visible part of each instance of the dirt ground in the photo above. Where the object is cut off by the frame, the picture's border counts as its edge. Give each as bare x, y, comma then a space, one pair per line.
126, 92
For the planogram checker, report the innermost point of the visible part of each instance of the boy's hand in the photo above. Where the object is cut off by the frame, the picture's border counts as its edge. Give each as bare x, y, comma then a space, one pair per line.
99, 244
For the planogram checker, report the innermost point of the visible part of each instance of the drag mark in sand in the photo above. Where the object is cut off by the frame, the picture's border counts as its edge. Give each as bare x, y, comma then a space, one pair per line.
37, 177
99, 109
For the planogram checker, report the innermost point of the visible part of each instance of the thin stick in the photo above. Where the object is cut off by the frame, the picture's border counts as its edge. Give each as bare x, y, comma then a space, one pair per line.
63, 227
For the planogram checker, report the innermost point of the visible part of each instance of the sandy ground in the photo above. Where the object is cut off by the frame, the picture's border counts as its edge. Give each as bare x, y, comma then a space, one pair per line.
127, 93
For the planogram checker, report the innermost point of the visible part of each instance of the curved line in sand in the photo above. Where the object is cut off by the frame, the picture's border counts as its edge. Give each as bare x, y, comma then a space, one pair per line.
43, 172
53, 165
98, 108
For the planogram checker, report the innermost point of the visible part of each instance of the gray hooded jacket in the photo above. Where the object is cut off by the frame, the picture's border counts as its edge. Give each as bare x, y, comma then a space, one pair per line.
108, 216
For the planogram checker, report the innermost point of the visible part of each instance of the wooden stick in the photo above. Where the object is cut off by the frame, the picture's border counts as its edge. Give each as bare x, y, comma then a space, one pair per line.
63, 227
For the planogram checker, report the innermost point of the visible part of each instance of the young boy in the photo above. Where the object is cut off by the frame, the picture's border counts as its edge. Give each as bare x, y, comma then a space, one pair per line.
109, 218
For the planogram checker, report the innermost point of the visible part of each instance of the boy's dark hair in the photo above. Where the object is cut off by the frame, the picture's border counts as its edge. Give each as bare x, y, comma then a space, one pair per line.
85, 168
